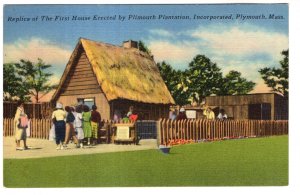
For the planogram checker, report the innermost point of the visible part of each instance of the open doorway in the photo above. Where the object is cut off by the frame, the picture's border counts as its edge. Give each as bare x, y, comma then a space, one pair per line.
87, 101
259, 111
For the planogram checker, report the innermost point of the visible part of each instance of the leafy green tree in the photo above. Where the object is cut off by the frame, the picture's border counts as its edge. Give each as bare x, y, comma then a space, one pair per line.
204, 78
175, 82
13, 86
234, 84
277, 78
35, 77
143, 47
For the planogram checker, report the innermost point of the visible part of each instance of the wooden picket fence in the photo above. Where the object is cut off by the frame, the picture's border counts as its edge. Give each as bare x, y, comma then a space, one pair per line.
171, 132
168, 131
39, 127
34, 110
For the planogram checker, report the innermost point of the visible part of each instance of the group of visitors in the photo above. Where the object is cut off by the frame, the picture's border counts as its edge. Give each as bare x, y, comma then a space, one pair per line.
208, 113
131, 115
78, 123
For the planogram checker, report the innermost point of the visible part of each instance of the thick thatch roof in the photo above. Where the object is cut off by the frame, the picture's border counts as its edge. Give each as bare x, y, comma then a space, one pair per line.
123, 73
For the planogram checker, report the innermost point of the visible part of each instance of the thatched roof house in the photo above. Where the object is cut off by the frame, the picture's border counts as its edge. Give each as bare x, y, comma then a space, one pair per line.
114, 77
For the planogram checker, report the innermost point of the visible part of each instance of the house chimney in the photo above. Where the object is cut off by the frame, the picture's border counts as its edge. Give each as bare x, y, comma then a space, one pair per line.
130, 44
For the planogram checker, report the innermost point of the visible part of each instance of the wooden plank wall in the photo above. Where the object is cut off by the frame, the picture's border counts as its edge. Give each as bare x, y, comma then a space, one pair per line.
174, 132
81, 79
236, 106
240, 99
281, 108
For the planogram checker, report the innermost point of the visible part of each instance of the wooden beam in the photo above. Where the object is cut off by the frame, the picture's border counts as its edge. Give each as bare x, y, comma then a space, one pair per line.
81, 75
81, 87
82, 92
82, 83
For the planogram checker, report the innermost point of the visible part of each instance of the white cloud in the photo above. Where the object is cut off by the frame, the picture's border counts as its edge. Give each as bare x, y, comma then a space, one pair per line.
36, 48
175, 53
242, 41
245, 48
161, 32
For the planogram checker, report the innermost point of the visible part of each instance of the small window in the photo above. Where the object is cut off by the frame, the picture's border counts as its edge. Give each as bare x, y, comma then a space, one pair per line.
87, 101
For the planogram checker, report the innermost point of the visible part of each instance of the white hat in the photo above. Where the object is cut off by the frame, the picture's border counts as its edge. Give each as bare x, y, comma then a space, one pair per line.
181, 110
59, 105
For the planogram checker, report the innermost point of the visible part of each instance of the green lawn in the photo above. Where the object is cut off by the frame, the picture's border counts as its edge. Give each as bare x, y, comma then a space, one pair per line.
247, 162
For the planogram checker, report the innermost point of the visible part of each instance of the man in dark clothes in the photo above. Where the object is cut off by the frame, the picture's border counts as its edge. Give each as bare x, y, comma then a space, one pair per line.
181, 115
95, 122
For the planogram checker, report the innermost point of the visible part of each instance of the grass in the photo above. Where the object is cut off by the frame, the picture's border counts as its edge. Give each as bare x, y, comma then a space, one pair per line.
247, 162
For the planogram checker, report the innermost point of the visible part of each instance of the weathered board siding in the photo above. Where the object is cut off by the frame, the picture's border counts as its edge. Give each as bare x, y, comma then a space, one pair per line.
238, 106
240, 99
100, 100
81, 79
281, 108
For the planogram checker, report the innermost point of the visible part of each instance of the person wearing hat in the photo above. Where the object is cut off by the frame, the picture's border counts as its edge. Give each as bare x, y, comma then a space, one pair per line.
181, 115
58, 118
222, 115
209, 114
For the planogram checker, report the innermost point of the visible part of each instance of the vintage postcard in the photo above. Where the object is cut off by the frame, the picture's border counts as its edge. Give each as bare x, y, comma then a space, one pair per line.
153, 95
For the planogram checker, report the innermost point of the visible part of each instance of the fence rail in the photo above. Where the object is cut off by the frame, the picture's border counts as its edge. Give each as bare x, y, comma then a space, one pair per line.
171, 131
39, 128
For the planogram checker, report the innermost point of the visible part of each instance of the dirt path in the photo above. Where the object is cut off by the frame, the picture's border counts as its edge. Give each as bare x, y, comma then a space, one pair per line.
45, 148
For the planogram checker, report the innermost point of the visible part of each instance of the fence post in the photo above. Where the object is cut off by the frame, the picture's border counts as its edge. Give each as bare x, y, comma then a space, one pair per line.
167, 130
158, 131
196, 130
172, 129
201, 133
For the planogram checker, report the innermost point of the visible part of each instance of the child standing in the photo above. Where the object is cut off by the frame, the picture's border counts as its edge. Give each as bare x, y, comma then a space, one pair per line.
87, 129
95, 121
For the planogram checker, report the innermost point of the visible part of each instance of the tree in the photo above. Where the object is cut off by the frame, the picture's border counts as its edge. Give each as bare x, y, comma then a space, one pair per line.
35, 78
204, 78
174, 80
12, 84
277, 78
143, 47
234, 84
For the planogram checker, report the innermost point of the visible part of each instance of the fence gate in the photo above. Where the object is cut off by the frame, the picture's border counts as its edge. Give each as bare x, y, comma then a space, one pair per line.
146, 129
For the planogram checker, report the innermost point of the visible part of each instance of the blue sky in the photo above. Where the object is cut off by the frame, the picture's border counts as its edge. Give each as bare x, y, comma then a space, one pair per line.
243, 45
